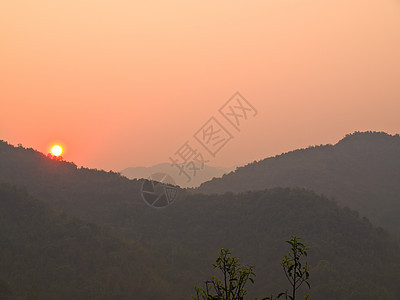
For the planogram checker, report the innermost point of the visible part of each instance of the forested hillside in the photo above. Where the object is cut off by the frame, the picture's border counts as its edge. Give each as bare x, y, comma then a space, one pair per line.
362, 171
350, 257
47, 255
86, 193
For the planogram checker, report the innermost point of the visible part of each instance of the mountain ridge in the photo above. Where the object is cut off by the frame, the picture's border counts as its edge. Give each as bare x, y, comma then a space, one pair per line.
352, 258
360, 171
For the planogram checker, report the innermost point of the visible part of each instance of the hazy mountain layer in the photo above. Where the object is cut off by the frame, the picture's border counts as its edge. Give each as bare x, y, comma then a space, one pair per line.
197, 173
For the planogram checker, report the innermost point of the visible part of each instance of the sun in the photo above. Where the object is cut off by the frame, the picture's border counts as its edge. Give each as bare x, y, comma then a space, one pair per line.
56, 150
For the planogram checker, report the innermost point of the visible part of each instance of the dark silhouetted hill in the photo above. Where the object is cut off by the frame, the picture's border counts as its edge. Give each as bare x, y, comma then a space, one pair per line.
362, 171
47, 255
351, 258
85, 193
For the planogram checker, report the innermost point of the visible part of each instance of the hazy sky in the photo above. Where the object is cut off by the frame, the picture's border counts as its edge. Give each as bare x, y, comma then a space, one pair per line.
127, 83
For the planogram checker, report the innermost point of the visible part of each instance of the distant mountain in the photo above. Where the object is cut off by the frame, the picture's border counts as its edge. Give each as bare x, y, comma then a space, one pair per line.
198, 175
361, 171
47, 255
351, 258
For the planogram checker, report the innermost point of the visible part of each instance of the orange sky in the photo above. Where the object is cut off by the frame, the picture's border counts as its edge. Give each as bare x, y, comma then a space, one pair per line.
125, 83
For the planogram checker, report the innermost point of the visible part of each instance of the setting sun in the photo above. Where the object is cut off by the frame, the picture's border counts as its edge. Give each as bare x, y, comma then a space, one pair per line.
57, 150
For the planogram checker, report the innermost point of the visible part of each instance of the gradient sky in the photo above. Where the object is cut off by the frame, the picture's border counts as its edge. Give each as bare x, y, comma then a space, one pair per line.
125, 83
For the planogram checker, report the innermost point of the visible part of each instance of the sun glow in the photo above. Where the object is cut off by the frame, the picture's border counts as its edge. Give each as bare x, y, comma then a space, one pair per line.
56, 150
